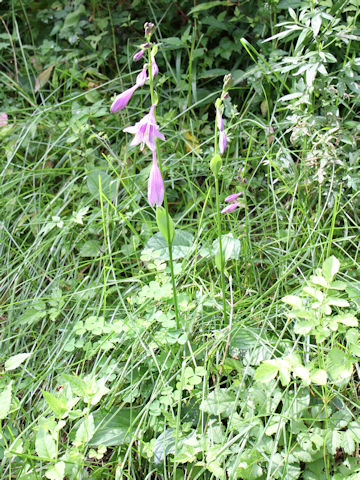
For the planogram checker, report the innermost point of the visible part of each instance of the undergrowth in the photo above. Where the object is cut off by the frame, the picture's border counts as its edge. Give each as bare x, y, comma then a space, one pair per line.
248, 368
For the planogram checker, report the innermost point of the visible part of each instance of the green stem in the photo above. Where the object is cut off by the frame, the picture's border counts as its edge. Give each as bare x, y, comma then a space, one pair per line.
166, 205
218, 218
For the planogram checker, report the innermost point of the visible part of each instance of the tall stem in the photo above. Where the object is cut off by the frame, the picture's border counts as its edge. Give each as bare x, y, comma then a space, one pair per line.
158, 154
222, 266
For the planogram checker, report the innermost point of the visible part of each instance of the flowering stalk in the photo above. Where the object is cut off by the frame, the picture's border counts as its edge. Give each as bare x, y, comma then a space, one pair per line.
215, 166
167, 215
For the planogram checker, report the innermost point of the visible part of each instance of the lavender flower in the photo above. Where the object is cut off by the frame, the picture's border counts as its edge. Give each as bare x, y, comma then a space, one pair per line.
233, 197
156, 184
219, 120
230, 208
3, 119
145, 131
123, 99
137, 56
222, 142
154, 67
141, 78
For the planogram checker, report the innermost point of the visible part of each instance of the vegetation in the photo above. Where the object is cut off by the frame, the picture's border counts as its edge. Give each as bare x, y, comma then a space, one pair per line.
248, 368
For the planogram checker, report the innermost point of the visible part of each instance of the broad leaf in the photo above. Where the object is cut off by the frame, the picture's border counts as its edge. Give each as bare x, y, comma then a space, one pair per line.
5, 401
181, 246
16, 360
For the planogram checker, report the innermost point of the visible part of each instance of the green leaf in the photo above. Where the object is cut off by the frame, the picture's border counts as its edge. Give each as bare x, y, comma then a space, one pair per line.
333, 441
77, 384
266, 372
45, 445
347, 442
206, 6
114, 427
108, 184
181, 246
43, 78
215, 164
5, 401
16, 360
219, 401
319, 377
57, 472
168, 231
164, 444
85, 431
330, 268
31, 316
293, 300
57, 404
91, 248
339, 365
347, 319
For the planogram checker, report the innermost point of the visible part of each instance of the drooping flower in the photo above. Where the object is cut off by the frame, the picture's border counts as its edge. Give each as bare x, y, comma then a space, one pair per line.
156, 184
123, 99
230, 208
233, 197
222, 142
141, 78
137, 56
145, 131
154, 67
3, 119
219, 120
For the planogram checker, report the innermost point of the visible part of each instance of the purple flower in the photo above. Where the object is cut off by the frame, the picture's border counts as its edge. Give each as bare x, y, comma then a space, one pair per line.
219, 120
222, 142
3, 119
138, 55
145, 131
123, 99
233, 197
154, 67
141, 78
230, 208
156, 184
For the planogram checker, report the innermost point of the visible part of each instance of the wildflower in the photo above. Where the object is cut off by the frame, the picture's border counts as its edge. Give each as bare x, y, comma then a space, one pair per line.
230, 208
149, 29
233, 197
141, 78
219, 120
222, 142
156, 184
154, 67
145, 131
123, 99
137, 56
3, 119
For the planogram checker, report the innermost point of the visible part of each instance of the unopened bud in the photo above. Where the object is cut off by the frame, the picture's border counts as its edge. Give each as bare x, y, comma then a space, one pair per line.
149, 29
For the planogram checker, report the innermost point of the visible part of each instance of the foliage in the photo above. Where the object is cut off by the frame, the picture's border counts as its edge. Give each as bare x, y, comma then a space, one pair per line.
259, 379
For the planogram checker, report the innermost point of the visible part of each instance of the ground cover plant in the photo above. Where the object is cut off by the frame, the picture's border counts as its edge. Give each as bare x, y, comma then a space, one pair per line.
180, 285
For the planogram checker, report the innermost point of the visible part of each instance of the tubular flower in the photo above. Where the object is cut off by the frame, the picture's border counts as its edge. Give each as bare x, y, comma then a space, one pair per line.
156, 184
145, 131
123, 99
219, 120
230, 208
141, 78
137, 56
233, 197
154, 67
3, 119
222, 142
